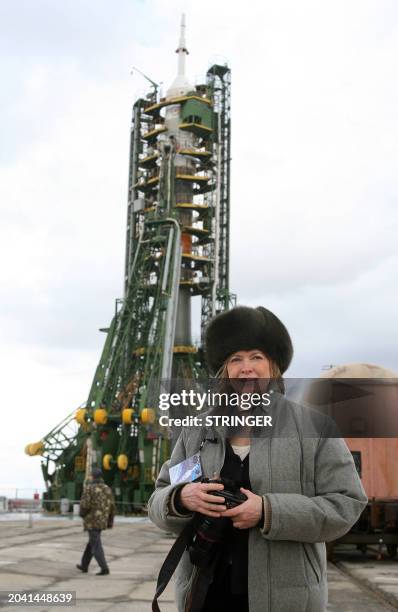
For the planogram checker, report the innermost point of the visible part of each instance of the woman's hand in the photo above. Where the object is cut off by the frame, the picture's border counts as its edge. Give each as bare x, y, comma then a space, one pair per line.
196, 497
247, 514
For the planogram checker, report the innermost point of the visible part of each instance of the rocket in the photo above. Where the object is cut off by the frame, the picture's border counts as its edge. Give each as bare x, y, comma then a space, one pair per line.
177, 250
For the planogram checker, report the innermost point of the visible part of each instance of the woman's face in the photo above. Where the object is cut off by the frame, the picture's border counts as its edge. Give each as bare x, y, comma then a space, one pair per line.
249, 365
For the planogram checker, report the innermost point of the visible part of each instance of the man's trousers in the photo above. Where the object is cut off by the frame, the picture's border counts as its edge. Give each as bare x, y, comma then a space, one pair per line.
94, 549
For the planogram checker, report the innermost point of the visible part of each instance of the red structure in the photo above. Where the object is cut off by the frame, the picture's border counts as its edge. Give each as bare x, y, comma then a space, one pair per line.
376, 459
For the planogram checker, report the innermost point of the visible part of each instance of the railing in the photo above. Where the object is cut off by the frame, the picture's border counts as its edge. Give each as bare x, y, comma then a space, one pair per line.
20, 499
27, 509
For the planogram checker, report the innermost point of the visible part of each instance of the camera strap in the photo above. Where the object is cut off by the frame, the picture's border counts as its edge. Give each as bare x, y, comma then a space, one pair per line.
202, 576
171, 561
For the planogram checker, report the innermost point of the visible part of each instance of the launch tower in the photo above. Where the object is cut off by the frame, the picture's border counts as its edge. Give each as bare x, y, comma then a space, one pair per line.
177, 248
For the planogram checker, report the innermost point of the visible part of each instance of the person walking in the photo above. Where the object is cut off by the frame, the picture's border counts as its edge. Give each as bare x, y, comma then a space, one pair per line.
97, 508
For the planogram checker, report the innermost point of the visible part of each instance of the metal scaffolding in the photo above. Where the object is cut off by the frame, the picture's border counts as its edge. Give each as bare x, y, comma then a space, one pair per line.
177, 249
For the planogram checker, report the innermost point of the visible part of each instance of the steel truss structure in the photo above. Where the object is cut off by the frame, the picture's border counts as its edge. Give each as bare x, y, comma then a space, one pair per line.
177, 249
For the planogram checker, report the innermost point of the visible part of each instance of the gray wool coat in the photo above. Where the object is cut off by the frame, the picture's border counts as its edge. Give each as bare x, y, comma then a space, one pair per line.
315, 494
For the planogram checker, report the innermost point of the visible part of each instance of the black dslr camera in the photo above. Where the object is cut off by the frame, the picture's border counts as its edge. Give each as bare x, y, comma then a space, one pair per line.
208, 530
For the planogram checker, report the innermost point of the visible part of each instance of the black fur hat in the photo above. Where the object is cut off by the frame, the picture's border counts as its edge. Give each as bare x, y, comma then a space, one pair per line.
243, 328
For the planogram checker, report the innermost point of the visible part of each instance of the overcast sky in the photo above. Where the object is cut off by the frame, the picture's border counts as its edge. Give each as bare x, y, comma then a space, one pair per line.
314, 181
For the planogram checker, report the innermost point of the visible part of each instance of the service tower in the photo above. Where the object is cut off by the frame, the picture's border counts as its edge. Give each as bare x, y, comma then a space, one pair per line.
177, 249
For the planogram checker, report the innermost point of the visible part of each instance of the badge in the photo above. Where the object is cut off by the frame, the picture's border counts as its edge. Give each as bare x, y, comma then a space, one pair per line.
187, 471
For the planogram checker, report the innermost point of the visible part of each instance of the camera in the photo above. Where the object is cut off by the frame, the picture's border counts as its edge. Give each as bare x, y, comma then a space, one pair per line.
233, 497
209, 531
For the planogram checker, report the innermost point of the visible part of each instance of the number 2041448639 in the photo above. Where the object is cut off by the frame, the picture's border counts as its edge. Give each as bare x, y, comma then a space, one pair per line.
38, 598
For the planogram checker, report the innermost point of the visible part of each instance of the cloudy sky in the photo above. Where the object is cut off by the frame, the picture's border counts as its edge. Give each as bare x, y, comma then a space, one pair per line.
314, 181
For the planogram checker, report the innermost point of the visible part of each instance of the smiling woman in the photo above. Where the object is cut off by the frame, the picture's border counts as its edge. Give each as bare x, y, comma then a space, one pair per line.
249, 364
298, 492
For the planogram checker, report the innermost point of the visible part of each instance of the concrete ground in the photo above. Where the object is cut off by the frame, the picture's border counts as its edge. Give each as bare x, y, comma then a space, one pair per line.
44, 556
378, 577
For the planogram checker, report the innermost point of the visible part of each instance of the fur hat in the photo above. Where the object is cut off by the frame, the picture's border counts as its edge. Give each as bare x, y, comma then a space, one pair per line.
243, 328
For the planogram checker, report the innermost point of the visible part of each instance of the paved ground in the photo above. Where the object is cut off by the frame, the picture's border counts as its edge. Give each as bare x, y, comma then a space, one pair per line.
377, 579
44, 557
345, 595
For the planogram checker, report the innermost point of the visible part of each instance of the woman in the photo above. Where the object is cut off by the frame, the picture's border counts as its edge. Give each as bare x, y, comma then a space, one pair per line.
301, 490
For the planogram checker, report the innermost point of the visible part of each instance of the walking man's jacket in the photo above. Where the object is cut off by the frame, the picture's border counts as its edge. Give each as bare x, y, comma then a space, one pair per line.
97, 505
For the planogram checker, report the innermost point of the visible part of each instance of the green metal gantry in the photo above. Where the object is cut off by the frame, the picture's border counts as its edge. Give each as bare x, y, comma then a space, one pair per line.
177, 248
